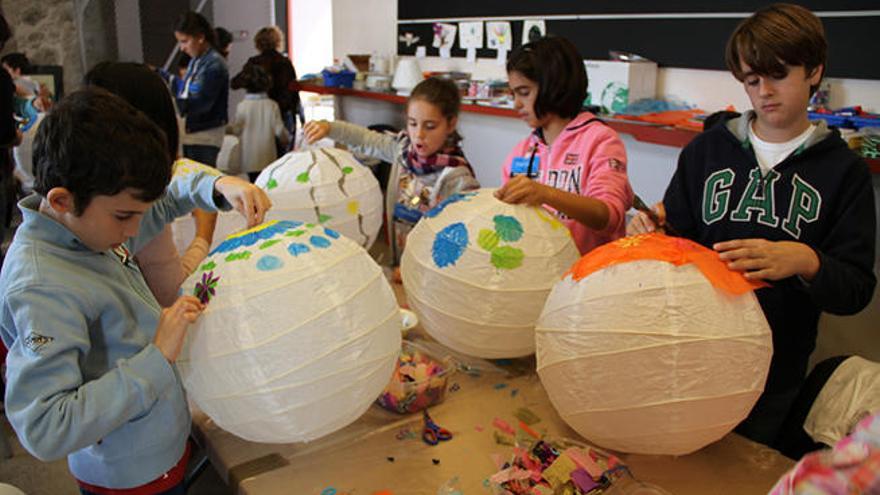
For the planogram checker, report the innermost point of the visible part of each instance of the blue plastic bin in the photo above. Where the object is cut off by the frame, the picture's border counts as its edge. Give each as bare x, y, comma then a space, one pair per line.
344, 79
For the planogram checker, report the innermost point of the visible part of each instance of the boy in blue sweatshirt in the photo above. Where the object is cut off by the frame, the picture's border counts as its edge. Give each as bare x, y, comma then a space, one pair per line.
780, 198
90, 371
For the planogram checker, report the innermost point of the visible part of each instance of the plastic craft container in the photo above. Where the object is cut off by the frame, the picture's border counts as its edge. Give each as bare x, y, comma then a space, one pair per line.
342, 79
419, 380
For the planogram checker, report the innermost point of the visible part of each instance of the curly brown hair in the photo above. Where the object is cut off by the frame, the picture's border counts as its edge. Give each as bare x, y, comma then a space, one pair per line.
268, 38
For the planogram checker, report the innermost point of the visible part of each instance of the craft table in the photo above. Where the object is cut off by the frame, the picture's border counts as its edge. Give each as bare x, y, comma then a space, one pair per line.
383, 450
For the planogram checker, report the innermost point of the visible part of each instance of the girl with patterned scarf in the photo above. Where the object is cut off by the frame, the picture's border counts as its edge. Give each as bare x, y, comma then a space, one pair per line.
428, 164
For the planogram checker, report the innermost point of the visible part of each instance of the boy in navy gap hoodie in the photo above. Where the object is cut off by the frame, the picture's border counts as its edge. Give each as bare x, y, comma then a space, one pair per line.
780, 198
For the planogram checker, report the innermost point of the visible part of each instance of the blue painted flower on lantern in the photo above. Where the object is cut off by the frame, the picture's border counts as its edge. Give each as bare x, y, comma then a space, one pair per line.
455, 198
331, 233
250, 237
269, 263
319, 242
449, 244
298, 248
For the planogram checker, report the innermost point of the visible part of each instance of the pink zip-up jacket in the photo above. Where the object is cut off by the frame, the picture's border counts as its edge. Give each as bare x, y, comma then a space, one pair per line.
587, 159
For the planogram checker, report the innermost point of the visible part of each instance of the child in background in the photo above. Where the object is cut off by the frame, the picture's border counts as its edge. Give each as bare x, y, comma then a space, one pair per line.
163, 267
257, 121
780, 198
572, 162
90, 371
428, 163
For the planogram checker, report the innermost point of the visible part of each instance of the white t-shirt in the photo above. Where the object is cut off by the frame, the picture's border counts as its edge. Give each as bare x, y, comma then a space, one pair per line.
771, 154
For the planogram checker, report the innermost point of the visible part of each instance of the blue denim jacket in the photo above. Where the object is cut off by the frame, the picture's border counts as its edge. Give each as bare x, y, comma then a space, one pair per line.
203, 96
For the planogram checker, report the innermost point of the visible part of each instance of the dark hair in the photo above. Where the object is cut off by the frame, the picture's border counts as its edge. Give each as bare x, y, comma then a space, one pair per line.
441, 93
556, 66
775, 36
268, 38
17, 60
253, 78
183, 60
195, 24
224, 37
94, 143
143, 89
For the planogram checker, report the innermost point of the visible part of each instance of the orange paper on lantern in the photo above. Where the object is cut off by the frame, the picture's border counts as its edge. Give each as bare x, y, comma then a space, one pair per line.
675, 250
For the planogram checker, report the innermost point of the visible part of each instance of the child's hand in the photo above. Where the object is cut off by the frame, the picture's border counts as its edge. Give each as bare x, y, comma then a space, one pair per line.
173, 323
248, 199
761, 259
641, 223
315, 130
522, 190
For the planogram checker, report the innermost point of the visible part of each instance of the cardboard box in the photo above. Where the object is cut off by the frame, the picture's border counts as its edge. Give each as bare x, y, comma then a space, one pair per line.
614, 84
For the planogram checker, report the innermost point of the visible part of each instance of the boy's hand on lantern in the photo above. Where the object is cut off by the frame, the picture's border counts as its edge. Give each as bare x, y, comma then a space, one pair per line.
173, 323
248, 199
761, 259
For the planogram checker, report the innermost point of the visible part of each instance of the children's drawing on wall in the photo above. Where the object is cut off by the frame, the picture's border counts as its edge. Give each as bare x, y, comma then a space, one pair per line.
533, 31
470, 35
444, 35
500, 36
409, 39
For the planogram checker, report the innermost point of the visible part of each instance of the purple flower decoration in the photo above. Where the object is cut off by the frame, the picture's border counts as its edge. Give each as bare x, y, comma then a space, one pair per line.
206, 289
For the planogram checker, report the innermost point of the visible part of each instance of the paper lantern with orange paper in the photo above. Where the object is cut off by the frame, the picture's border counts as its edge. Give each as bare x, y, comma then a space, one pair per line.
651, 345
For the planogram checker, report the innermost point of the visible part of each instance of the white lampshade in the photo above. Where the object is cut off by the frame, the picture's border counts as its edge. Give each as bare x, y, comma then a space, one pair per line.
406, 76
647, 357
183, 229
327, 186
300, 335
477, 271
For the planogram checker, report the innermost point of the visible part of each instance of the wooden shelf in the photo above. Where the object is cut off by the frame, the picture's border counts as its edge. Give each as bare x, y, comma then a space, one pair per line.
641, 131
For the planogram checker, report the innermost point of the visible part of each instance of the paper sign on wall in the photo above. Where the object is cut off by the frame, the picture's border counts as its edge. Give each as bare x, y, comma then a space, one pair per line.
421, 51
444, 35
470, 35
533, 31
499, 35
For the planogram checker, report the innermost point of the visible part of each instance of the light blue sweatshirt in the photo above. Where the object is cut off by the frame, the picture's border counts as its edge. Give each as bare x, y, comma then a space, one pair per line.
83, 377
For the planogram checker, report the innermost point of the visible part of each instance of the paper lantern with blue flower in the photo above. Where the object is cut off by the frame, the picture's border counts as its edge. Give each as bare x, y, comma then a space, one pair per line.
300, 335
477, 270
184, 228
325, 186
651, 345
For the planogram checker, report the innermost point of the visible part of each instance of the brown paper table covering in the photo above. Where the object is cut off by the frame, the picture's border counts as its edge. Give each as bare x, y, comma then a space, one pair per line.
373, 454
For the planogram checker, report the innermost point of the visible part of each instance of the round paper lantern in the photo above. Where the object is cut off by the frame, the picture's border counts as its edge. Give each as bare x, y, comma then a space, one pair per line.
183, 229
477, 271
651, 345
300, 335
327, 186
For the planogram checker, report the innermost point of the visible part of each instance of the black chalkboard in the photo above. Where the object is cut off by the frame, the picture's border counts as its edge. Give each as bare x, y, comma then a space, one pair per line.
687, 41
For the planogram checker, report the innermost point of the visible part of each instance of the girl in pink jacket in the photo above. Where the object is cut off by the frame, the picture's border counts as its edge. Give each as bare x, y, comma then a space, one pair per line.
572, 163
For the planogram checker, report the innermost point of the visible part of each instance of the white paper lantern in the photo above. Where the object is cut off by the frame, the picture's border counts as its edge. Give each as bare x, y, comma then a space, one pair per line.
300, 336
327, 186
477, 271
645, 356
183, 229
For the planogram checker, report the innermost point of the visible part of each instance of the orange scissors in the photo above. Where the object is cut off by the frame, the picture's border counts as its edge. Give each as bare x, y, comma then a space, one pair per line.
434, 433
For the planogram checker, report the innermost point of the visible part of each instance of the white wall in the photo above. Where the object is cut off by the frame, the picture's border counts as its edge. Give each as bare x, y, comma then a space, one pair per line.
312, 34
243, 20
364, 26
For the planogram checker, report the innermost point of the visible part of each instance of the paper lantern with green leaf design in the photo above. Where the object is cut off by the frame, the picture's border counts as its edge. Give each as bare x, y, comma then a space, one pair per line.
300, 335
327, 186
477, 271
